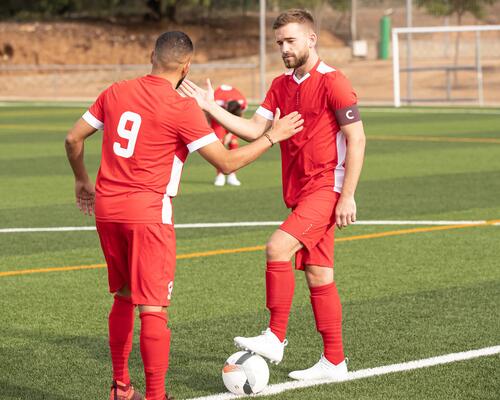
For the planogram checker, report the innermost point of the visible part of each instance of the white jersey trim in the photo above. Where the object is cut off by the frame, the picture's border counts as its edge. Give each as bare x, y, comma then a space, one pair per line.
202, 142
166, 210
324, 69
264, 112
175, 177
92, 121
340, 169
299, 81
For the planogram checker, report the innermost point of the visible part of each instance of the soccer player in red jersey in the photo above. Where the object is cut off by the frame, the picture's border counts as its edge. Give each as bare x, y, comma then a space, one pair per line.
233, 101
320, 171
148, 131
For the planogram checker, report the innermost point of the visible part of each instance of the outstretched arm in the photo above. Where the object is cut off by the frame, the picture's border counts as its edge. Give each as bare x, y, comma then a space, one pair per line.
74, 143
246, 129
231, 160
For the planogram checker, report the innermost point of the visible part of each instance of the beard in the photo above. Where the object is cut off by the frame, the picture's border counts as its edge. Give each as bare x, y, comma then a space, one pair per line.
295, 61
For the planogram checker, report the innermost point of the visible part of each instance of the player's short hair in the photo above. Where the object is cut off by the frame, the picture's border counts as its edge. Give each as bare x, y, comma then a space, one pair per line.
172, 48
234, 107
297, 15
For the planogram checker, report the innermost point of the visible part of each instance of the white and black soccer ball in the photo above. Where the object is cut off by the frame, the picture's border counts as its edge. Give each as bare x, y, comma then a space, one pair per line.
245, 373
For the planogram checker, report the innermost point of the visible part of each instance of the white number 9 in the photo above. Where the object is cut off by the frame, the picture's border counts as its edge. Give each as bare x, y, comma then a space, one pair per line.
129, 134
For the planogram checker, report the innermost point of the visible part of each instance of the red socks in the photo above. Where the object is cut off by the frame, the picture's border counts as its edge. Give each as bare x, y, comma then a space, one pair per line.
327, 310
280, 284
121, 331
155, 348
155, 345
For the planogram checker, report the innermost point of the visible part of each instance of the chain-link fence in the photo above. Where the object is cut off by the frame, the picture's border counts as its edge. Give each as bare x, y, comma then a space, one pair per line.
78, 60
86, 81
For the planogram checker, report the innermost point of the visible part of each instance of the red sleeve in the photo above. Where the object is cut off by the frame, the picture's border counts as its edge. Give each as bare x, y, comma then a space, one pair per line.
269, 105
194, 129
340, 93
95, 114
343, 100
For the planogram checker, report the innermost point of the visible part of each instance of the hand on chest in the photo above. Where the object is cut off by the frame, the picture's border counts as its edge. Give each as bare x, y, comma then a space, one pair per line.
309, 100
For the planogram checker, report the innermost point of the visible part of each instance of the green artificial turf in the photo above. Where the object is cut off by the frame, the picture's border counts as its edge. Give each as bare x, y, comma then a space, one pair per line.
405, 297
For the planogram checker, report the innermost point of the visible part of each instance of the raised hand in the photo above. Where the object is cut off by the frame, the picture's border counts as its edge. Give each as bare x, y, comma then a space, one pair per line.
85, 195
285, 127
203, 97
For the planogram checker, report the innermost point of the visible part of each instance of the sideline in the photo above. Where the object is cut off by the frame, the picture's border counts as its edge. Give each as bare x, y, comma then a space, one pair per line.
258, 248
237, 225
366, 373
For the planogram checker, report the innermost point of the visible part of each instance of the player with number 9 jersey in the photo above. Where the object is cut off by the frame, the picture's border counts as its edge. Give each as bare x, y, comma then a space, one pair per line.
149, 130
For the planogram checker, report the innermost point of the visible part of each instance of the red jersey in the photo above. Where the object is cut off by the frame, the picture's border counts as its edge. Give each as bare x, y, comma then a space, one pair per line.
223, 95
313, 158
149, 130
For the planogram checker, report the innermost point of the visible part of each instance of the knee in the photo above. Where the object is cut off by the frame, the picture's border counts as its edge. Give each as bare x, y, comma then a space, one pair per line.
319, 276
275, 251
153, 309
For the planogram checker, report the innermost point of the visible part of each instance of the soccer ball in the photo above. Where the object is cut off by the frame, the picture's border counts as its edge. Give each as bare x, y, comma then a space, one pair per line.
245, 373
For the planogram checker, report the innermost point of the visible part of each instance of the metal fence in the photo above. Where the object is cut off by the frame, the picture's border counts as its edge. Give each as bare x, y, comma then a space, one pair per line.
87, 81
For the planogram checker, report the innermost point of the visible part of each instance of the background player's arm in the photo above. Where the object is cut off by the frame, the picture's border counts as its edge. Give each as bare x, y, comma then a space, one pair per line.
231, 160
345, 212
74, 143
246, 129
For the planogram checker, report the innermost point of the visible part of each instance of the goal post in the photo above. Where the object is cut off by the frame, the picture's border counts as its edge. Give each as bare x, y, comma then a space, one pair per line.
430, 65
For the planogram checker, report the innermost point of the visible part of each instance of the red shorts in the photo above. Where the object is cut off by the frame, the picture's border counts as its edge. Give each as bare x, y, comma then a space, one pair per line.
141, 256
312, 222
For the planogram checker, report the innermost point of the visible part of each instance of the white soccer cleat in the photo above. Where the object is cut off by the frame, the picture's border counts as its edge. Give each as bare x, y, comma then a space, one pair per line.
266, 345
232, 180
323, 369
220, 180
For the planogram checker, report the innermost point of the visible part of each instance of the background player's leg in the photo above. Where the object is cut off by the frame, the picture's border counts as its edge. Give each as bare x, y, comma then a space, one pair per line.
327, 310
121, 332
155, 349
232, 144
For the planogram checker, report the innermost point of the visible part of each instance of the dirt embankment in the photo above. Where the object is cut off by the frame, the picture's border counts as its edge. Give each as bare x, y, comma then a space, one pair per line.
229, 40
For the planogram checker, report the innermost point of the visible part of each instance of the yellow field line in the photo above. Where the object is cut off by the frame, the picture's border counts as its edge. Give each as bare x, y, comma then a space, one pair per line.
53, 269
257, 248
30, 128
434, 139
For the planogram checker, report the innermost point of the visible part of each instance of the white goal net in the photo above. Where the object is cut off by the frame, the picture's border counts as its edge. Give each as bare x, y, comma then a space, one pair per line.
446, 65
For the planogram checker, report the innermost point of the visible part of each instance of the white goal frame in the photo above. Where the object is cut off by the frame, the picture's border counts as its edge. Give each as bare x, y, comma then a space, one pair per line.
396, 69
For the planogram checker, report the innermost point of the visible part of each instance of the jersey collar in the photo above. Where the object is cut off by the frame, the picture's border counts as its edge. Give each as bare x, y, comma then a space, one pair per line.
313, 69
157, 80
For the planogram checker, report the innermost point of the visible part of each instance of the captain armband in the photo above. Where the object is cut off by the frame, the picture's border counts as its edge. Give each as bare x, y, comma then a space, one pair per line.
348, 115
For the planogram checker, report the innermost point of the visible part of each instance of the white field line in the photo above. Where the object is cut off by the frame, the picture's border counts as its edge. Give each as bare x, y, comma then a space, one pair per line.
367, 373
487, 111
237, 225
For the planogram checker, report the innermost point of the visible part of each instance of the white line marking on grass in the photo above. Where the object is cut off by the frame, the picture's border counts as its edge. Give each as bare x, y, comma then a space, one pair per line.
491, 111
367, 373
240, 224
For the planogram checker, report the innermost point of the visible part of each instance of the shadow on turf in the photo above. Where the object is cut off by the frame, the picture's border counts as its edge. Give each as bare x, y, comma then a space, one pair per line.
14, 392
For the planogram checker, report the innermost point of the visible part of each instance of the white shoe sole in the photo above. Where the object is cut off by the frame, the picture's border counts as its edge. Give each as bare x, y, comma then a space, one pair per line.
246, 348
